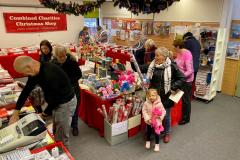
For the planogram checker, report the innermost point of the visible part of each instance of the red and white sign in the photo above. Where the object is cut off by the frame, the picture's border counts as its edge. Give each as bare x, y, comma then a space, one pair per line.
34, 22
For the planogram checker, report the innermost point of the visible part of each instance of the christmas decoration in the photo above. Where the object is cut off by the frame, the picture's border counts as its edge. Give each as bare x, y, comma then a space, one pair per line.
135, 6
72, 8
144, 6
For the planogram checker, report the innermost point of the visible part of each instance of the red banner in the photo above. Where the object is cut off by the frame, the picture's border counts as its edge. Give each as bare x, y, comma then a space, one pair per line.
34, 22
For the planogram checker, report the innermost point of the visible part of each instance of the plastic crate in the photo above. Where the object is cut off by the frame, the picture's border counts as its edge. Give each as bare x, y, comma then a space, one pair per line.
51, 146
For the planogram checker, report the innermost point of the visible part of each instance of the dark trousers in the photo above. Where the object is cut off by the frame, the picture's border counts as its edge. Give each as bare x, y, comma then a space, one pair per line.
167, 121
195, 76
74, 123
186, 101
149, 133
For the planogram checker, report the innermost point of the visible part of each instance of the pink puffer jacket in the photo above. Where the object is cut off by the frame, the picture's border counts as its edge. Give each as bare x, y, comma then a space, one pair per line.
148, 108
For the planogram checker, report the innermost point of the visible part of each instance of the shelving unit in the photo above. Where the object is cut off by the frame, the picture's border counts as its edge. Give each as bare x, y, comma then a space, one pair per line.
208, 74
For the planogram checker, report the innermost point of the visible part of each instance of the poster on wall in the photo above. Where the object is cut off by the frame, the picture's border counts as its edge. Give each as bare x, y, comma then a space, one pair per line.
114, 24
34, 22
235, 31
180, 31
156, 28
150, 27
137, 25
233, 50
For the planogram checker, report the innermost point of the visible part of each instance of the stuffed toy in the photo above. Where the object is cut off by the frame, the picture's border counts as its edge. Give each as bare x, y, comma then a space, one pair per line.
127, 76
109, 89
104, 92
156, 122
125, 86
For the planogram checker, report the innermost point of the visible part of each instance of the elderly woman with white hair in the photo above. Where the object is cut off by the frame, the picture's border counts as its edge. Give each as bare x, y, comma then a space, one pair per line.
165, 76
70, 66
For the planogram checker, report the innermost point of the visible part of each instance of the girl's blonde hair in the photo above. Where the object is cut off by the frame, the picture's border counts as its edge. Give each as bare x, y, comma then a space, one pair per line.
150, 91
150, 44
164, 51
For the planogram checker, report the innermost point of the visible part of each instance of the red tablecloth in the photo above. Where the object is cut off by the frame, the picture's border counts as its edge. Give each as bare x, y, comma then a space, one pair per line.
88, 110
7, 63
89, 114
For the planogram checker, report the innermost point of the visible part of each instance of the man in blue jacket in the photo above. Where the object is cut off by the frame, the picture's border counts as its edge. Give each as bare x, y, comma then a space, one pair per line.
193, 45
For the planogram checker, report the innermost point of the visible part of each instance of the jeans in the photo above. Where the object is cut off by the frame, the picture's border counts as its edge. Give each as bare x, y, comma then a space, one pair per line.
149, 133
186, 101
167, 121
74, 123
62, 117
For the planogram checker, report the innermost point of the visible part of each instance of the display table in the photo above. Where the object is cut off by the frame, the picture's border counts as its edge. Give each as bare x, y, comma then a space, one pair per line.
5, 77
7, 62
89, 114
123, 57
88, 110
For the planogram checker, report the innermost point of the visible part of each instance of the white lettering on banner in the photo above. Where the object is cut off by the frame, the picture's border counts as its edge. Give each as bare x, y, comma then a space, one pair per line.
48, 18
23, 18
50, 23
29, 24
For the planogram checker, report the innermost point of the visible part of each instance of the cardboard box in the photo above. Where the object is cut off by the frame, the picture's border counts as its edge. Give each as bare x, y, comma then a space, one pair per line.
134, 121
116, 133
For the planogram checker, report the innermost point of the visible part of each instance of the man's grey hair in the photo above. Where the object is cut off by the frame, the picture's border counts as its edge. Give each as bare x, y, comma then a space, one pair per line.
21, 63
59, 49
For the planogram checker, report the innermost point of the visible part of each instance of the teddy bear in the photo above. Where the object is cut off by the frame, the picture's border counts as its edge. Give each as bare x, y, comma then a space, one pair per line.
156, 122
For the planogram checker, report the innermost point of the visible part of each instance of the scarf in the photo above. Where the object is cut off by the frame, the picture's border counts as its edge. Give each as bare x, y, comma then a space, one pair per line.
167, 73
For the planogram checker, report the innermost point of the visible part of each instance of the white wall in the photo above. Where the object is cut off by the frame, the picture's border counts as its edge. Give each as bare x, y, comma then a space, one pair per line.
236, 10
185, 10
74, 25
109, 11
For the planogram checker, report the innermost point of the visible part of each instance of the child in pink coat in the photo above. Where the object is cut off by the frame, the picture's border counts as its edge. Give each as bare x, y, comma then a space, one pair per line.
153, 114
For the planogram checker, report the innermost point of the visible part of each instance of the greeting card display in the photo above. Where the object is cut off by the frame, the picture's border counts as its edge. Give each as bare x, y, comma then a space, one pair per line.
235, 31
233, 50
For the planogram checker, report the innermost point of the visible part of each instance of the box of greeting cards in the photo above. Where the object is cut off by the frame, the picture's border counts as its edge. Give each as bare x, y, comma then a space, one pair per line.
116, 133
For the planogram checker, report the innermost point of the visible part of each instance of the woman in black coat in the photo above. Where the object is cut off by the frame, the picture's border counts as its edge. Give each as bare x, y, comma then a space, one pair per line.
69, 64
165, 76
45, 51
145, 55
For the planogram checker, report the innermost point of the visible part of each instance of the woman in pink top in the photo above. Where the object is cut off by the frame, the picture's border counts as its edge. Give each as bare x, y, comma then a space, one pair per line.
185, 64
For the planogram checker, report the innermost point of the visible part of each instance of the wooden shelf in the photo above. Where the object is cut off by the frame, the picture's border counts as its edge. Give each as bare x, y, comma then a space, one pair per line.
230, 76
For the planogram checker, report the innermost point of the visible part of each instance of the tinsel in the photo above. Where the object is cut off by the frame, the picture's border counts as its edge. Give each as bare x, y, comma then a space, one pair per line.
135, 6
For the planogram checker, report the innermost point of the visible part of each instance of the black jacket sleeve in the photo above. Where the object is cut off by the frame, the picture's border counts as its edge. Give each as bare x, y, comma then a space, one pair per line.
77, 73
188, 44
177, 78
31, 83
139, 56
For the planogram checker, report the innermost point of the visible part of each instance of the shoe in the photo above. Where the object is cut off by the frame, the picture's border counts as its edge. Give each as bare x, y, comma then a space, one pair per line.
75, 131
156, 148
182, 122
166, 138
147, 146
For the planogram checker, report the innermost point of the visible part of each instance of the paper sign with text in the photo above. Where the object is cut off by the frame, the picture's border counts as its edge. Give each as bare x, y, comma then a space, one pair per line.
119, 128
176, 96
